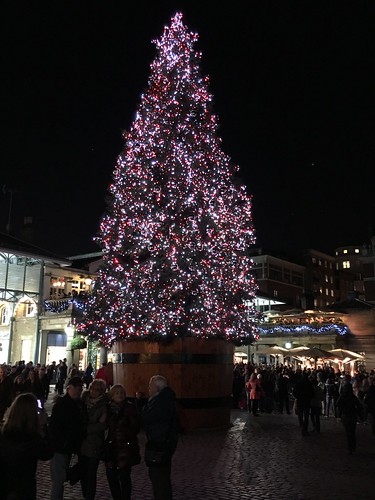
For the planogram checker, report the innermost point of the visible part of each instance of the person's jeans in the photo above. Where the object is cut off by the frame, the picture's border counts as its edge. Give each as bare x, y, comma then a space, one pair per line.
58, 467
89, 469
160, 477
315, 417
120, 483
350, 425
303, 418
329, 405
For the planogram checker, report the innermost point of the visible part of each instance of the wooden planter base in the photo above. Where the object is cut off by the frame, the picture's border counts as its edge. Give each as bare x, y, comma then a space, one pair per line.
200, 372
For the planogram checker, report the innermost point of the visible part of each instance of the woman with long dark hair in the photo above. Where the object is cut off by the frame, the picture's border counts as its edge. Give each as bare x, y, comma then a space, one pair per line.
21, 446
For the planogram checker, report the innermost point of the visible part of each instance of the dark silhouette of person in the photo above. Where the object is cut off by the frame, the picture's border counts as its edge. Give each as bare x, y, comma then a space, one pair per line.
350, 410
303, 392
160, 422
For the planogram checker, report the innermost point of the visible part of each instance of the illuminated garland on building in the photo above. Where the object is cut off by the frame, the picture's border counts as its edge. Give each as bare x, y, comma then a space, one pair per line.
177, 230
60, 306
303, 329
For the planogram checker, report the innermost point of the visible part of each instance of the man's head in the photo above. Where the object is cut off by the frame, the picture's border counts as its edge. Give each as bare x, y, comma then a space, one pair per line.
74, 387
157, 383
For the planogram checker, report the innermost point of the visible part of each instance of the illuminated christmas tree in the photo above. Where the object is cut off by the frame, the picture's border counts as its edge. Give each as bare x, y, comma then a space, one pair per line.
178, 226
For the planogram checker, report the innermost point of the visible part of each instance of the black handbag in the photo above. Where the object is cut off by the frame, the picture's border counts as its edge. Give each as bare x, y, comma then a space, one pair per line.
73, 474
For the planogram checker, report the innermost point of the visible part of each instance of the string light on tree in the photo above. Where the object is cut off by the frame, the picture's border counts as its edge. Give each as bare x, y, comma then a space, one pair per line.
178, 225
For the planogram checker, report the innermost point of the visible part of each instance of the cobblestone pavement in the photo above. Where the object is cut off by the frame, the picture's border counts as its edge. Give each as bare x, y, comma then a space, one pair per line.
256, 458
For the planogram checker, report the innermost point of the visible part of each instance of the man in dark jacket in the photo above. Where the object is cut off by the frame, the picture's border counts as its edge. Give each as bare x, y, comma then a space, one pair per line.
159, 419
66, 432
303, 392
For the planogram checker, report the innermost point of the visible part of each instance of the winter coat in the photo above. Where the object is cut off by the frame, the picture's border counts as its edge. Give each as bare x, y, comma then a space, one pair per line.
369, 399
121, 447
160, 422
303, 392
19, 455
256, 390
67, 425
318, 396
6, 395
349, 406
96, 410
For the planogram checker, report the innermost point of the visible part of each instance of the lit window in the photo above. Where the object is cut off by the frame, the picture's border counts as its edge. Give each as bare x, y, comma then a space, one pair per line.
315, 302
326, 278
346, 264
275, 293
332, 294
356, 250
327, 291
345, 251
336, 252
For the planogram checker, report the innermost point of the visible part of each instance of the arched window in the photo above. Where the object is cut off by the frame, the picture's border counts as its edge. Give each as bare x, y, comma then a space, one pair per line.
4, 315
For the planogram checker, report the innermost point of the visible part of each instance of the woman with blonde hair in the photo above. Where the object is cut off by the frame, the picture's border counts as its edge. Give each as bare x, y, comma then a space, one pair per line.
21, 446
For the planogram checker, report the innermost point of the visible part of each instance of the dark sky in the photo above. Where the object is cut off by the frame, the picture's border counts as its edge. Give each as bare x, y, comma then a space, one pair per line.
293, 86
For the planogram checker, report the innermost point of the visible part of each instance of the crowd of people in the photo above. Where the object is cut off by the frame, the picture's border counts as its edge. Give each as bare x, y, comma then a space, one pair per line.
86, 426
309, 393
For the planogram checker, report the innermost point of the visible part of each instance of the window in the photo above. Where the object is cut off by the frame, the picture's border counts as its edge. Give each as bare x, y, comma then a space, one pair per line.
356, 250
275, 293
346, 264
4, 316
57, 290
26, 309
332, 294
345, 251
327, 291
326, 278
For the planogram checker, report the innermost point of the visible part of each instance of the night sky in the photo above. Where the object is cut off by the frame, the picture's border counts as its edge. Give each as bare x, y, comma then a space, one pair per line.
293, 86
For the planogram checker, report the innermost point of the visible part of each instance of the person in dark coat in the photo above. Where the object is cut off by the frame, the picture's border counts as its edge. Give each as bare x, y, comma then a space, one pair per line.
88, 376
369, 401
95, 401
6, 391
283, 382
160, 422
303, 392
21, 446
121, 449
350, 410
66, 432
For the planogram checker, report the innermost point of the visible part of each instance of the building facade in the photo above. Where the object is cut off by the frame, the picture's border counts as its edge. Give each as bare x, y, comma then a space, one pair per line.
40, 297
